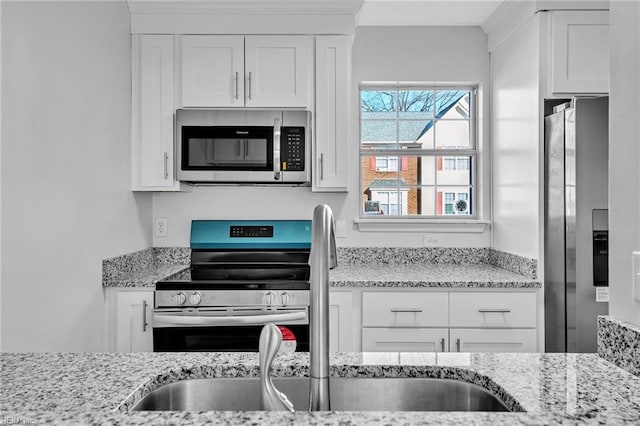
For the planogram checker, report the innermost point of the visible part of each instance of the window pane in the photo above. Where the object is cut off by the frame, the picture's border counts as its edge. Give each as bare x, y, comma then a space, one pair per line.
452, 104
377, 101
447, 174
426, 170
416, 134
452, 134
378, 134
454, 200
416, 104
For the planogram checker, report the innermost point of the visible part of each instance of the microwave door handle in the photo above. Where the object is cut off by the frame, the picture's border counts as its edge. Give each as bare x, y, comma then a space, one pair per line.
276, 149
168, 319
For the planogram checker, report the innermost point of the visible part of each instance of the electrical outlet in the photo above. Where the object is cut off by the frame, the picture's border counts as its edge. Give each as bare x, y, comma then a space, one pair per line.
161, 227
429, 241
635, 260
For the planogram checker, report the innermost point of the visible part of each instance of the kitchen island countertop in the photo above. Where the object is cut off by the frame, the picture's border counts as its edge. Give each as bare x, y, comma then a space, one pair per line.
90, 388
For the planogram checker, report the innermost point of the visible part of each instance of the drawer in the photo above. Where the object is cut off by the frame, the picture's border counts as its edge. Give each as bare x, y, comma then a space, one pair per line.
491, 309
493, 340
405, 309
405, 339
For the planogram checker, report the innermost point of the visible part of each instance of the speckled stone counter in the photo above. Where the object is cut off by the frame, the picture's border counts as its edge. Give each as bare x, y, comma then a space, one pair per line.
357, 267
100, 388
428, 275
619, 343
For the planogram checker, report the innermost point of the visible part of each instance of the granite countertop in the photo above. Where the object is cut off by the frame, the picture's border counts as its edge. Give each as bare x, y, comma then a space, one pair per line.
419, 275
89, 388
438, 275
357, 267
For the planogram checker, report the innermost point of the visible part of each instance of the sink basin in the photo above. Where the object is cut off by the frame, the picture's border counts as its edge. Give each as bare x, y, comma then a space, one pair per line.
347, 394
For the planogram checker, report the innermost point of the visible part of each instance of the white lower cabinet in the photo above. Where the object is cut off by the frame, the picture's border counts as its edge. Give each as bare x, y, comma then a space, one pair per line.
133, 329
493, 340
341, 321
405, 339
453, 321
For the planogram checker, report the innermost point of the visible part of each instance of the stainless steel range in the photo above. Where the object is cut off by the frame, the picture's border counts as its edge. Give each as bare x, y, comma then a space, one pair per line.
243, 275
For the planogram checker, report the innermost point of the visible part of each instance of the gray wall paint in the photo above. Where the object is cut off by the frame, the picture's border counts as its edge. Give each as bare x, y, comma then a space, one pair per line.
66, 199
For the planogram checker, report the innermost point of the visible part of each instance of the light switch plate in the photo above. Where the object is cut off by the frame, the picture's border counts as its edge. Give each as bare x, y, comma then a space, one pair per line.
636, 275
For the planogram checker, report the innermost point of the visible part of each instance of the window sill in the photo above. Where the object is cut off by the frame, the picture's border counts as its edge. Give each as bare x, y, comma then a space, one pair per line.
421, 225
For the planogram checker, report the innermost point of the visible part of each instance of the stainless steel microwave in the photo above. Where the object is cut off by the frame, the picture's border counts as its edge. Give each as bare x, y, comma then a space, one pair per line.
243, 146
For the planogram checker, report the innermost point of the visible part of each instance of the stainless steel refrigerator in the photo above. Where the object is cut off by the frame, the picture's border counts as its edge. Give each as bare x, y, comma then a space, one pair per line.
576, 224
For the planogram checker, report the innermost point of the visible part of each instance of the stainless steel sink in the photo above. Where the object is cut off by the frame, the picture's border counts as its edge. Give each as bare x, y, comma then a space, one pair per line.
347, 394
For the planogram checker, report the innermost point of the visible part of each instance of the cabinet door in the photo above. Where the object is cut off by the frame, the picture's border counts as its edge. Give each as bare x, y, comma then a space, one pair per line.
333, 73
212, 71
404, 340
341, 321
152, 112
580, 52
134, 331
493, 340
278, 71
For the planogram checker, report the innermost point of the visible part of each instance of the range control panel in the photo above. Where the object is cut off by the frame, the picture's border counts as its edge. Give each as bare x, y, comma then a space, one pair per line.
251, 231
292, 148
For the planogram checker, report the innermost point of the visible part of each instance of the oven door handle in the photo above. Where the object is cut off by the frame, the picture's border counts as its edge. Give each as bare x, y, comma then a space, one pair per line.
227, 320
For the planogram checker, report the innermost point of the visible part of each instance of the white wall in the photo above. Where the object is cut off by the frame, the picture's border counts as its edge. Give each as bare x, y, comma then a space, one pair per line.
516, 142
383, 53
66, 199
624, 156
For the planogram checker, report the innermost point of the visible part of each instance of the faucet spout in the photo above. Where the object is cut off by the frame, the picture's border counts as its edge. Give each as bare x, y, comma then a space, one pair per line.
271, 398
323, 257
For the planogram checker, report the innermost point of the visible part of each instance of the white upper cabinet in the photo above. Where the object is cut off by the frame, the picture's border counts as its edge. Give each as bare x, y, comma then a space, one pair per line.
252, 71
333, 74
152, 113
212, 71
580, 52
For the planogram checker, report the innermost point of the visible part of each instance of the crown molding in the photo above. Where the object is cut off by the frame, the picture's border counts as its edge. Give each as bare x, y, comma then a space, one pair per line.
246, 7
243, 16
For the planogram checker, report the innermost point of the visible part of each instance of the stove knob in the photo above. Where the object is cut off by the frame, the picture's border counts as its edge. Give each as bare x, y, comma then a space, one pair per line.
285, 297
180, 298
196, 298
269, 298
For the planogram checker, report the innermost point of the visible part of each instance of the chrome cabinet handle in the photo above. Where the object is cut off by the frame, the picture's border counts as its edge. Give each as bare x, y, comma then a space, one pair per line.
442, 343
249, 85
144, 316
494, 311
321, 166
237, 91
458, 345
413, 310
166, 165
276, 149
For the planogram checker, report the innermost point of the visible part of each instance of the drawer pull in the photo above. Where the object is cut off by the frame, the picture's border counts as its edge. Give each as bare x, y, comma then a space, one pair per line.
413, 310
494, 311
442, 343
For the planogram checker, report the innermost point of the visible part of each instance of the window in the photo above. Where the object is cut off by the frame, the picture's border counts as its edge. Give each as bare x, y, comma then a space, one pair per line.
418, 150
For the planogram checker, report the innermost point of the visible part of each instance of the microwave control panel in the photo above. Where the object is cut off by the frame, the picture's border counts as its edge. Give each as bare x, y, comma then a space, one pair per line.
292, 149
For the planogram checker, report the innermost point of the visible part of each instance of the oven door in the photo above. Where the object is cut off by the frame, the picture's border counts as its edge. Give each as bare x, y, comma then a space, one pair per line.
224, 329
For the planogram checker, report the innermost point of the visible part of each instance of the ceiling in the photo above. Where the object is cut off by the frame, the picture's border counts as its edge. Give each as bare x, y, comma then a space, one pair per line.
426, 12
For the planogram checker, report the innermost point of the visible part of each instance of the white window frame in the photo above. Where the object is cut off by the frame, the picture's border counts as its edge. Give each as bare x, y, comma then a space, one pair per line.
472, 153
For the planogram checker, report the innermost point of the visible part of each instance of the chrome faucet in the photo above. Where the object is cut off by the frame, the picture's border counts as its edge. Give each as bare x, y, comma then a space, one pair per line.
323, 257
270, 397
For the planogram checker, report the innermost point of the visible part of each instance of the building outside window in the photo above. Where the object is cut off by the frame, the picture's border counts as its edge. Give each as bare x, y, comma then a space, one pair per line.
418, 144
